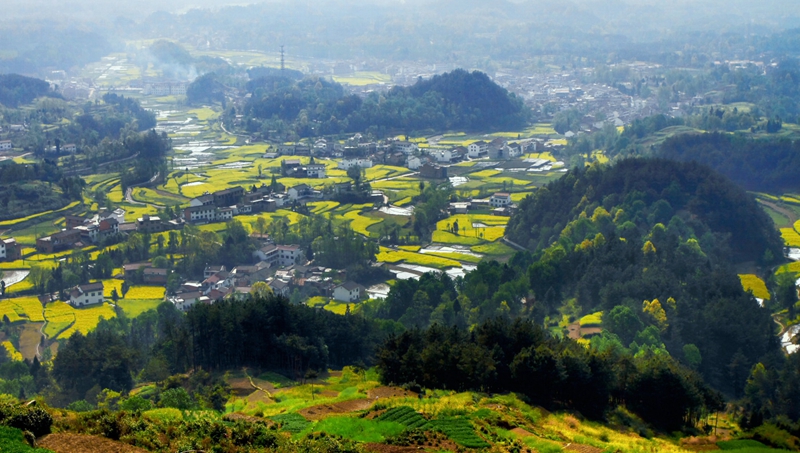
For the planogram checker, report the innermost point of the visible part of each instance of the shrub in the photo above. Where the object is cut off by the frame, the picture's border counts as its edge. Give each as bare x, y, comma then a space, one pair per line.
293, 423
136, 404
739, 444
177, 398
31, 417
775, 437
80, 406
13, 441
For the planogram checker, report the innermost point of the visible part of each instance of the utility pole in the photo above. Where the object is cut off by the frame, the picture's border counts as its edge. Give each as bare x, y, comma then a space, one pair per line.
283, 66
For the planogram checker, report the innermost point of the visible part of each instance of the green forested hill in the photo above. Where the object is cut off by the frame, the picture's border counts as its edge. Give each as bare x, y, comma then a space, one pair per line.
650, 242
759, 165
638, 194
458, 100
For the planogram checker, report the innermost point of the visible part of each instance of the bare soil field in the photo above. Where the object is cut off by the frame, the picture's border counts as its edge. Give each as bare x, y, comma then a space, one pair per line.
81, 443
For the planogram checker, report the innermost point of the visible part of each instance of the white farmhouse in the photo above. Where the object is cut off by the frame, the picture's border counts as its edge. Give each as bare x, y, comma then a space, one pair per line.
86, 295
406, 147
315, 171
348, 292
478, 149
442, 155
500, 200
345, 164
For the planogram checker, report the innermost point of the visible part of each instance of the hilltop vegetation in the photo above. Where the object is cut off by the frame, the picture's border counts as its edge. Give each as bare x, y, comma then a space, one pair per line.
649, 242
16, 89
555, 373
634, 196
758, 165
458, 100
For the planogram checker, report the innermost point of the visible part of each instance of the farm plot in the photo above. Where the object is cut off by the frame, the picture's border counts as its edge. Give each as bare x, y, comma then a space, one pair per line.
384, 171
363, 78
404, 415
395, 256
359, 429
321, 207
460, 430
13, 354
145, 292
751, 282
145, 195
473, 226
21, 309
790, 237
360, 223
86, 319
135, 307
293, 423
11, 223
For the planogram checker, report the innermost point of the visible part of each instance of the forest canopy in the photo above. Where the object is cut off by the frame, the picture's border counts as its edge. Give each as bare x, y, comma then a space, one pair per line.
458, 100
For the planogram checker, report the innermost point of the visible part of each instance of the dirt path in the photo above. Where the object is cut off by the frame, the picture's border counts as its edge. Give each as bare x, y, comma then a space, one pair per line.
253, 384
785, 212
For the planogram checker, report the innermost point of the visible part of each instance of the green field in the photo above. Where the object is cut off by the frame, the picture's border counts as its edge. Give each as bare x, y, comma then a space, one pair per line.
363, 78
135, 307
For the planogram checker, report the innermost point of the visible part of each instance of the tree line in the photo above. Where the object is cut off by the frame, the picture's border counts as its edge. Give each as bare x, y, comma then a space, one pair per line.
758, 165
519, 356
458, 100
265, 332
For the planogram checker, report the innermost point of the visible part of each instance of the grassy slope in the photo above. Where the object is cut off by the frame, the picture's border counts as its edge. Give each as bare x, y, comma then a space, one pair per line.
468, 419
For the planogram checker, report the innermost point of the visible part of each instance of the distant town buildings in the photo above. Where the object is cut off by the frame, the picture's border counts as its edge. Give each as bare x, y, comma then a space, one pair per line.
172, 88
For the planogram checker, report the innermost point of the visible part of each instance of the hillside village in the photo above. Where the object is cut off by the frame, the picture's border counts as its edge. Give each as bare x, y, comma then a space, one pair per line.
284, 268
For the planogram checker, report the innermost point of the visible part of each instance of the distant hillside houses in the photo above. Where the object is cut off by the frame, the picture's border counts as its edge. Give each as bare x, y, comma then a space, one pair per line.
10, 250
164, 88
500, 148
405, 147
293, 168
82, 231
346, 164
349, 292
6, 145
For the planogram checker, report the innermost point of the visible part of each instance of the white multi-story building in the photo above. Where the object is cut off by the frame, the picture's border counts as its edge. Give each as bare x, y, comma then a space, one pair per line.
86, 295
348, 292
279, 255
315, 171
200, 214
442, 155
185, 301
345, 164
224, 214
478, 149
500, 200
298, 191
406, 147
288, 254
6, 145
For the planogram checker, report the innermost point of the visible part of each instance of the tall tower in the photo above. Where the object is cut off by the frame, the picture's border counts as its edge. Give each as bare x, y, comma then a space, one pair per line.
282, 60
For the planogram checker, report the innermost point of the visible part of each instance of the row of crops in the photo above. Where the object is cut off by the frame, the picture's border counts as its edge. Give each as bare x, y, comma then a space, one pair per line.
459, 429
